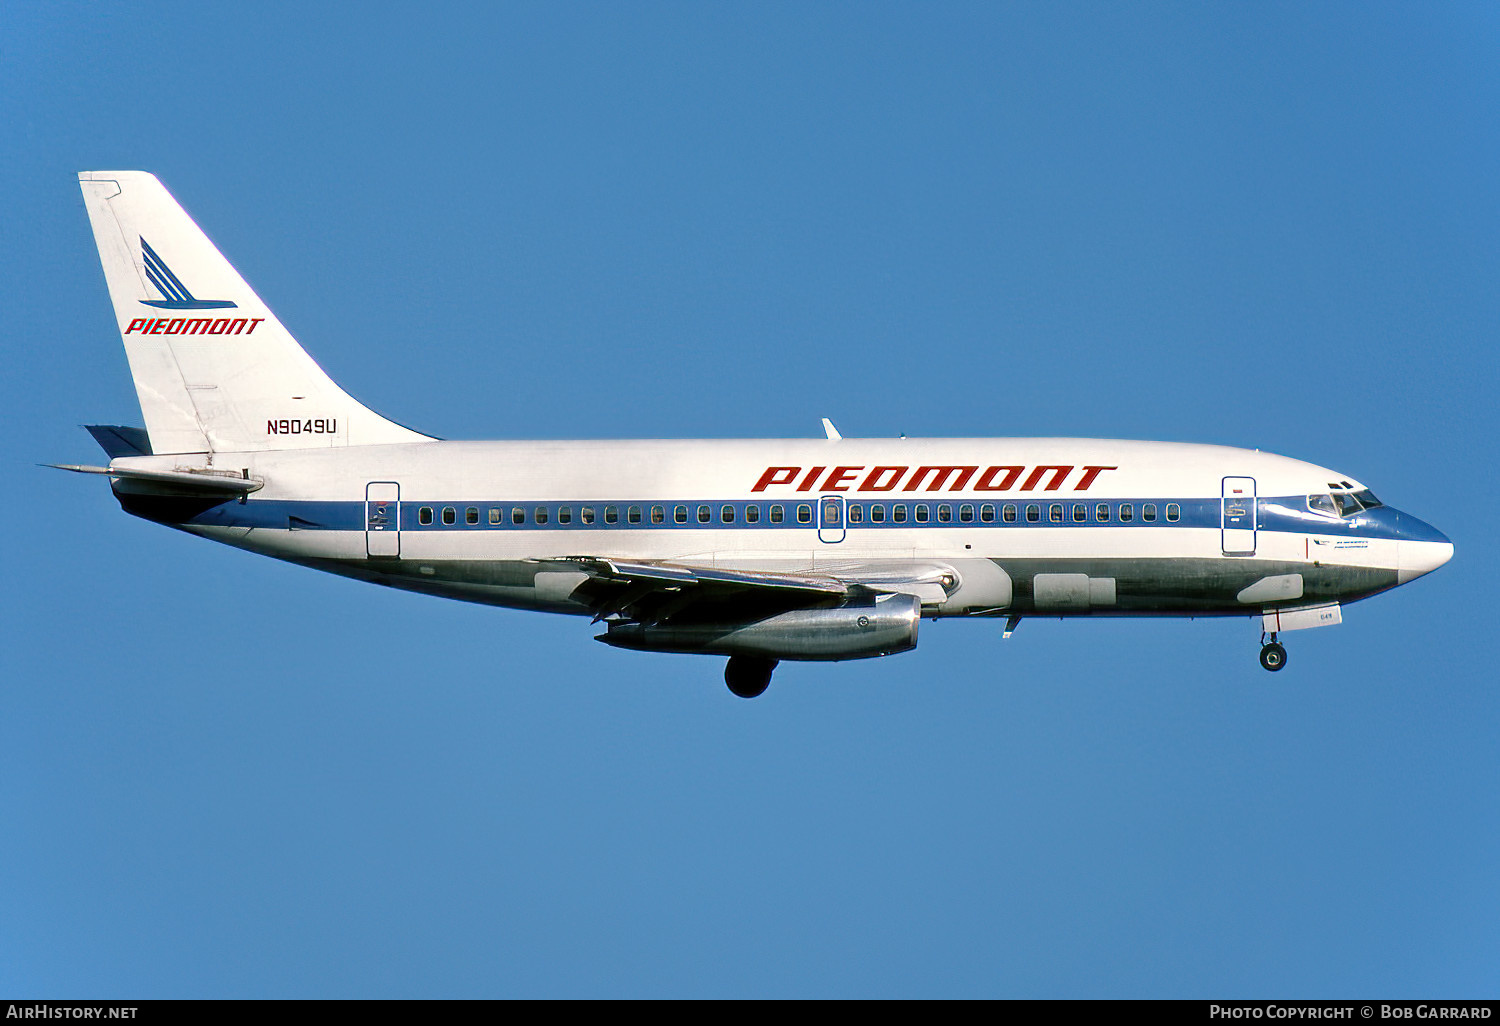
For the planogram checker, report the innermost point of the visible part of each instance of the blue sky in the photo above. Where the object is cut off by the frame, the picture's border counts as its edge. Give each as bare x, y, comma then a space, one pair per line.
1271, 226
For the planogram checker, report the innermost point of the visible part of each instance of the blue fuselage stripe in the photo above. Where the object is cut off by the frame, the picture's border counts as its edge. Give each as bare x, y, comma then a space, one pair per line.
1273, 514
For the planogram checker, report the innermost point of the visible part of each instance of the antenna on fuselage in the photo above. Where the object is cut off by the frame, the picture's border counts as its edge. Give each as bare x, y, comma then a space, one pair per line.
831, 431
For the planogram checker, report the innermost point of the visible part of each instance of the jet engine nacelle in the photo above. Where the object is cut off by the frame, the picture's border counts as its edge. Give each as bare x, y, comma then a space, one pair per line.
883, 627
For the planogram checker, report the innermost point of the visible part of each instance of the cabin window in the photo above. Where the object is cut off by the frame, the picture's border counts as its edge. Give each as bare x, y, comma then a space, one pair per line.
856, 513
424, 516
1148, 512
778, 514
898, 513
517, 515
1033, 514
565, 514
1174, 511
471, 515
611, 514
922, 512
450, 516
1008, 513
966, 513
586, 514
494, 515
944, 513
752, 514
704, 515
726, 514
1054, 512
877, 513
540, 515
1127, 512
633, 514
804, 513
679, 514
1101, 512
987, 513
658, 515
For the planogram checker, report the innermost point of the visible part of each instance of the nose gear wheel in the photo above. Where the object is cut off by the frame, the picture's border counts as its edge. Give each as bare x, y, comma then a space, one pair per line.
1272, 654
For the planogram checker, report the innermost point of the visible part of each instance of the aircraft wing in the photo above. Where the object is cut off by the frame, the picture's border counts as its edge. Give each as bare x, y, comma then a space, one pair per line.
656, 590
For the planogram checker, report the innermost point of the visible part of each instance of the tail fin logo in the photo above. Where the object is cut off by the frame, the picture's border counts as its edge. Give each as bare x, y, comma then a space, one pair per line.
177, 297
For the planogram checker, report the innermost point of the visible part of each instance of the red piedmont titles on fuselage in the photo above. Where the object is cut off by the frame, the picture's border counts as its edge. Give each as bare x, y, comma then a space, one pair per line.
1002, 478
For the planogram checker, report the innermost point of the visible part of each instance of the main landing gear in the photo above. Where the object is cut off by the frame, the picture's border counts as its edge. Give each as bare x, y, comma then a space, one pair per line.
749, 676
1272, 655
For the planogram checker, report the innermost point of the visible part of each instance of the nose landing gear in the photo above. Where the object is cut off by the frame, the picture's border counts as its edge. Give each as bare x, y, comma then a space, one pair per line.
1272, 655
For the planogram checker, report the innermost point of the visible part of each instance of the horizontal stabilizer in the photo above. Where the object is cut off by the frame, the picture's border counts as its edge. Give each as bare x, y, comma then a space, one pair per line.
224, 482
119, 441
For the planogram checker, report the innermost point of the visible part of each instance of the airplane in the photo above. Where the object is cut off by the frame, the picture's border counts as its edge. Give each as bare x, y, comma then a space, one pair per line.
759, 550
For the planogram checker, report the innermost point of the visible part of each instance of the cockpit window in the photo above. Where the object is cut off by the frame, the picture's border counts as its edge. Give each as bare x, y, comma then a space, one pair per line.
1322, 504
1348, 504
1343, 504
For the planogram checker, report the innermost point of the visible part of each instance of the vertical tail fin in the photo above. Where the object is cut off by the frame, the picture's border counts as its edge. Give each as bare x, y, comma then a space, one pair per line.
214, 369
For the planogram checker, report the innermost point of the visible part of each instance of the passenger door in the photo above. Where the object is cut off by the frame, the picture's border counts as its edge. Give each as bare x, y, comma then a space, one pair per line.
383, 519
1237, 516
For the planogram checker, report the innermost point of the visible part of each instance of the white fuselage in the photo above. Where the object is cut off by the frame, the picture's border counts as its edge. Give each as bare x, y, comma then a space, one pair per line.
1055, 526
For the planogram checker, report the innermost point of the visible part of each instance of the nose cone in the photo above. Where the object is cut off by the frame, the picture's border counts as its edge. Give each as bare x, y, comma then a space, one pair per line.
1421, 550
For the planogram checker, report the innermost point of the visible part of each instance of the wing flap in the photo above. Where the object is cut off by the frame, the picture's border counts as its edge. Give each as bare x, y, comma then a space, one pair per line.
681, 574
